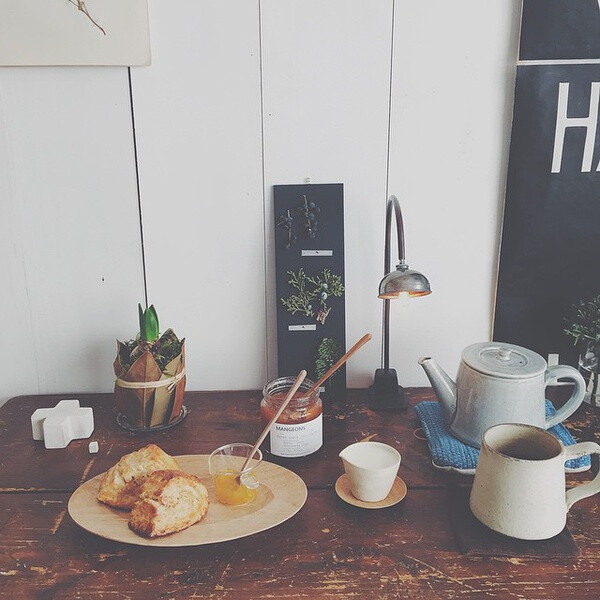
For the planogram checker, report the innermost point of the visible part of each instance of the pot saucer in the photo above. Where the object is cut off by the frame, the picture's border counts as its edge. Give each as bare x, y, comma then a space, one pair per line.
397, 493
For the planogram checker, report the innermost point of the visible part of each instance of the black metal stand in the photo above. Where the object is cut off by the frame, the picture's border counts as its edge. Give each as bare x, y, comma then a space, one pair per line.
385, 393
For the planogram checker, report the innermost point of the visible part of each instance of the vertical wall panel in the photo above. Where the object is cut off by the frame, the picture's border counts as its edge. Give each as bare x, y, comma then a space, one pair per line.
326, 71
453, 85
70, 261
199, 147
69, 237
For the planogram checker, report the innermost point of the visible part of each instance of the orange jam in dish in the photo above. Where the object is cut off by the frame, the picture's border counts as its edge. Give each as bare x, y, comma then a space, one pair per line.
231, 491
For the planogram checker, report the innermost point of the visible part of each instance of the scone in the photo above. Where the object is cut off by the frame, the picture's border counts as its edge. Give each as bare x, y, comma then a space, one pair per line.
169, 501
121, 484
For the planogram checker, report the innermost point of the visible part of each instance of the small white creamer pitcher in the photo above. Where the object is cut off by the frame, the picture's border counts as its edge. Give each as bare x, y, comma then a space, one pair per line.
519, 486
371, 468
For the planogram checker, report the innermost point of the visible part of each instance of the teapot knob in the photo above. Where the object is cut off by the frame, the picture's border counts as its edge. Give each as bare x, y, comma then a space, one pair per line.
504, 354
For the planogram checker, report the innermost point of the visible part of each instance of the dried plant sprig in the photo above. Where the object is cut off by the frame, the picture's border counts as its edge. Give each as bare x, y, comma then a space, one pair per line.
300, 302
328, 353
80, 4
325, 284
309, 210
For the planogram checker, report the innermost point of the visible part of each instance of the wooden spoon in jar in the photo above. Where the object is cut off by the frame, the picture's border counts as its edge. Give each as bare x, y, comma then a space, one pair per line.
363, 340
263, 435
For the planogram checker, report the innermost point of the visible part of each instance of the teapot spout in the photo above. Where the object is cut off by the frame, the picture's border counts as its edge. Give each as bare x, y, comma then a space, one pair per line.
443, 386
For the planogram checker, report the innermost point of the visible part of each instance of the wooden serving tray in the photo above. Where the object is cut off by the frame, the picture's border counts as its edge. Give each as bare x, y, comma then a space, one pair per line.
280, 496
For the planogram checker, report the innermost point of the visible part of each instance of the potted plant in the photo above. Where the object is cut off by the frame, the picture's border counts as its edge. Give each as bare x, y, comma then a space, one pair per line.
150, 371
583, 325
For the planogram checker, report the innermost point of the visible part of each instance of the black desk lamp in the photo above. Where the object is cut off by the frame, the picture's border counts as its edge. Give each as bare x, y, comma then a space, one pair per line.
385, 393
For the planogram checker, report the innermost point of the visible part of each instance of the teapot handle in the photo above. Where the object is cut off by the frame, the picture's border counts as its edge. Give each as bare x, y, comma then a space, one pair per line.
587, 489
556, 372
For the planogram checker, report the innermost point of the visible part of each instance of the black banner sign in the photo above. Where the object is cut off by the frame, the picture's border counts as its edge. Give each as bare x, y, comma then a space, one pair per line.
550, 254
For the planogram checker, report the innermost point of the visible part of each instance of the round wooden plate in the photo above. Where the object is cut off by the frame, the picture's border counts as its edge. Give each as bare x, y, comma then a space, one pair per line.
280, 496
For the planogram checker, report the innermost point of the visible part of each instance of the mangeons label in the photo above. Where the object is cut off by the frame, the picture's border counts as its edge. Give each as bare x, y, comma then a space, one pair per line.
291, 440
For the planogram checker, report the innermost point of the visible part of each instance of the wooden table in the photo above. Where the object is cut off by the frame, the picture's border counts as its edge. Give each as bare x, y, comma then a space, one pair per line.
328, 550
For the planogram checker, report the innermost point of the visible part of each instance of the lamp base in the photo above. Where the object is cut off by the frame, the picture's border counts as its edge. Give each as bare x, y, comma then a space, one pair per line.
385, 393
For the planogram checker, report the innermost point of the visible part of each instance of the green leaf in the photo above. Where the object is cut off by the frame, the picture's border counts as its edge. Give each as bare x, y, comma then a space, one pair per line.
142, 328
151, 324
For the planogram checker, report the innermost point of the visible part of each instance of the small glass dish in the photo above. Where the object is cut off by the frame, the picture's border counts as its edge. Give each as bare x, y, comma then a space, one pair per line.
224, 465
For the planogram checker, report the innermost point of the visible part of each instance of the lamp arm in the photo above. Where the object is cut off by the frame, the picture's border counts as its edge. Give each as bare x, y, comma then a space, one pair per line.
393, 207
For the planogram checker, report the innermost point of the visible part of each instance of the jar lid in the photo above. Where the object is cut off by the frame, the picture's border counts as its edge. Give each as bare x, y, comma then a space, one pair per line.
504, 360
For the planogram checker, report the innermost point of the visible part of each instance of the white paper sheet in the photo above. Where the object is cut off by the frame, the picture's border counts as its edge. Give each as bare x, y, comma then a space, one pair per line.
56, 32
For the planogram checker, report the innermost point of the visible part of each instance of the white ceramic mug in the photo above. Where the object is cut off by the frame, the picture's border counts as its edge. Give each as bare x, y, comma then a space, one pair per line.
519, 486
371, 468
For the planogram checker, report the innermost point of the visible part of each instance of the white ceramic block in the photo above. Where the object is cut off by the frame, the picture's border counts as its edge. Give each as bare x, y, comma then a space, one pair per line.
65, 422
93, 447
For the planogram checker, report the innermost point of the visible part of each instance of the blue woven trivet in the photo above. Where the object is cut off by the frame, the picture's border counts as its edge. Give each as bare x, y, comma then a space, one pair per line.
450, 454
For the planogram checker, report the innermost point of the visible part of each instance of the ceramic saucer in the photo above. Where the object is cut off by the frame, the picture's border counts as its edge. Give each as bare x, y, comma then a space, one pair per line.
397, 493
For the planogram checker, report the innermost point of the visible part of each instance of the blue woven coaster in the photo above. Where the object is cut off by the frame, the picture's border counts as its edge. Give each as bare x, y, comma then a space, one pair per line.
450, 454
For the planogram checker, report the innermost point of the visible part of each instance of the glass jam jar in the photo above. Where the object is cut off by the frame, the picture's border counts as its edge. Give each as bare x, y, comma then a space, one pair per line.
299, 429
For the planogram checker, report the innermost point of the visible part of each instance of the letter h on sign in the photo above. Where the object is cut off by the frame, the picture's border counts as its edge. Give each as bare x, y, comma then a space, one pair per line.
563, 122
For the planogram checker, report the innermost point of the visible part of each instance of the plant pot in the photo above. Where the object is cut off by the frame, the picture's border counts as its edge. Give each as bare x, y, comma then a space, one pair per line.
148, 398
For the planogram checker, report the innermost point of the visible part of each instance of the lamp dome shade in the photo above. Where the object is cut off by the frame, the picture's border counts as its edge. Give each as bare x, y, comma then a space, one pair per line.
404, 281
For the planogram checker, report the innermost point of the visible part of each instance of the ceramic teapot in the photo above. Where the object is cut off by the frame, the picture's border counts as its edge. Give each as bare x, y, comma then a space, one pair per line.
499, 383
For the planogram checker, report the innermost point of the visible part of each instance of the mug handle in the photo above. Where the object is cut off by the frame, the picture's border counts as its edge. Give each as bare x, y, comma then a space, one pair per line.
572, 404
587, 489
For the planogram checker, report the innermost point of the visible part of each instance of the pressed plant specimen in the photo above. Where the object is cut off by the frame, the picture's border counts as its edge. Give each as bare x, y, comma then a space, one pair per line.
312, 291
285, 222
309, 210
326, 284
299, 302
329, 352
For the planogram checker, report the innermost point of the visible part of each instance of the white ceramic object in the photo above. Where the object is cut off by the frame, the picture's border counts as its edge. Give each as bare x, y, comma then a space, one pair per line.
519, 486
499, 383
371, 468
63, 423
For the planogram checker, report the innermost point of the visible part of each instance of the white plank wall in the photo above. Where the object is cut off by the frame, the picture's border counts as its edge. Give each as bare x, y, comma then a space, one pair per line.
453, 88
70, 253
326, 85
242, 95
198, 126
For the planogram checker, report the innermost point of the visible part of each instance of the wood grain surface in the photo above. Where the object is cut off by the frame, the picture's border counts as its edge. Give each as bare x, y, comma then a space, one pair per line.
329, 549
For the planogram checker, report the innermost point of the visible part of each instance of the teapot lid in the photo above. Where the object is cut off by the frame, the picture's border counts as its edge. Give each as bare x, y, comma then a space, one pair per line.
504, 360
